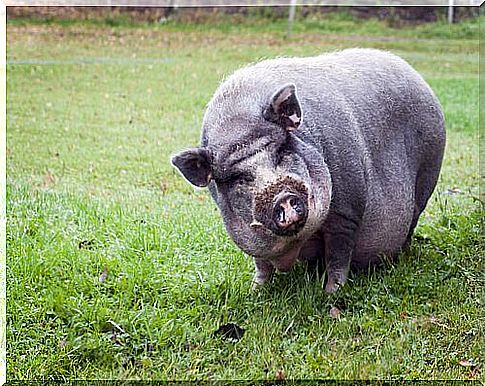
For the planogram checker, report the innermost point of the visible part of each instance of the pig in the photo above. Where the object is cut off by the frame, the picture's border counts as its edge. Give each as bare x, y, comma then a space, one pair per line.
328, 159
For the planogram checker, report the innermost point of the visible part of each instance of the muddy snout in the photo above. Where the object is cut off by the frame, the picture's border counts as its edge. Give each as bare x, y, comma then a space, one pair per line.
282, 207
289, 212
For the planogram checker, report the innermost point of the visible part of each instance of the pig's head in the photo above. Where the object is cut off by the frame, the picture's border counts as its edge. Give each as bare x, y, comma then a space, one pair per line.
272, 188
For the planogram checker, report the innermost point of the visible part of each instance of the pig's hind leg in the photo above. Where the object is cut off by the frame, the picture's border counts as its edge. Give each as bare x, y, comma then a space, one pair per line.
425, 184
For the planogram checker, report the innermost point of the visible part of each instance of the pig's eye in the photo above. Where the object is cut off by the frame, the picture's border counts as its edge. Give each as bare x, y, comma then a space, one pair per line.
244, 178
280, 153
235, 178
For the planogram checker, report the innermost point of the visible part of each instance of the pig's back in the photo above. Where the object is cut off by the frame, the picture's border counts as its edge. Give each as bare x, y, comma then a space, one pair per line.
358, 92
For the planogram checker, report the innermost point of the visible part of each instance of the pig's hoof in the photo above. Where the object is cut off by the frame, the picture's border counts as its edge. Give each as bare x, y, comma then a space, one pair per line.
256, 286
335, 281
330, 288
259, 281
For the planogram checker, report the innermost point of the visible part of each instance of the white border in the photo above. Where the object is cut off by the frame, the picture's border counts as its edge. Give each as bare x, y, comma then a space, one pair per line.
180, 3
3, 191
229, 3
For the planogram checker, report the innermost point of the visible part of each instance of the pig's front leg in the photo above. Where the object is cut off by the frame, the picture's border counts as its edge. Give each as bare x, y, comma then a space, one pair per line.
339, 247
264, 272
338, 254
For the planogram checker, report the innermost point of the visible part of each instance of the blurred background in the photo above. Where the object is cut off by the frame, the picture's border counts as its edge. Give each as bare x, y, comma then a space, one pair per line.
392, 16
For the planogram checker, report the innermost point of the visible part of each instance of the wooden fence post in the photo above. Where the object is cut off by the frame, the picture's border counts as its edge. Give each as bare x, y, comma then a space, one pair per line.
291, 17
450, 11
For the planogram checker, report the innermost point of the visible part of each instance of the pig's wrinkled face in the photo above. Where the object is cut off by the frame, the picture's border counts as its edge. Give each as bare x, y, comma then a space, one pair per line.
272, 189
267, 200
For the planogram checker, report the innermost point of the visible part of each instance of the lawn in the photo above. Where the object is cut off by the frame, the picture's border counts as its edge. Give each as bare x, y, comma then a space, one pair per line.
118, 269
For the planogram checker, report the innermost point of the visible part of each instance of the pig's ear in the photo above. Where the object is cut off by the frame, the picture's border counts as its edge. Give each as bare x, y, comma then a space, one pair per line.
195, 165
284, 108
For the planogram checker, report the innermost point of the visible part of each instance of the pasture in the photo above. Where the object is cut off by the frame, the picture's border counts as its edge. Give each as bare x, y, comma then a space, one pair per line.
118, 269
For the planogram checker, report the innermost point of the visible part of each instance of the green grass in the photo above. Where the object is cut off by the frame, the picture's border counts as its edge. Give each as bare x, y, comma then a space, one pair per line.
89, 188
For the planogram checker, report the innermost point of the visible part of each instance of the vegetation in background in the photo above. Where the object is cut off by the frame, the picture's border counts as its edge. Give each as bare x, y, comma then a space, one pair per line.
117, 268
377, 21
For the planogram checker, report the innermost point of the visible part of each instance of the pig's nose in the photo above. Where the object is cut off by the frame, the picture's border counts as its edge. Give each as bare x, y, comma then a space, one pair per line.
289, 212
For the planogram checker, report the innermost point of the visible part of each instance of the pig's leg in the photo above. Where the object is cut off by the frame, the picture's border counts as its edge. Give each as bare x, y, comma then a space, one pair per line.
339, 246
264, 272
425, 184
407, 244
338, 254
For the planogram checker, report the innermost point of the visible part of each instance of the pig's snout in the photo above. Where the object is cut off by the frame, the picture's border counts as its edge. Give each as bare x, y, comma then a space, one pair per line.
282, 207
289, 213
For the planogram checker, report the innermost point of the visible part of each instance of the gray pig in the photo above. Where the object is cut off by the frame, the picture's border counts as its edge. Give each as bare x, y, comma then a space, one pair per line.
325, 159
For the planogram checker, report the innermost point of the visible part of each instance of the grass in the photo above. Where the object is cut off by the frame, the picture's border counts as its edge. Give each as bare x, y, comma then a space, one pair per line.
118, 269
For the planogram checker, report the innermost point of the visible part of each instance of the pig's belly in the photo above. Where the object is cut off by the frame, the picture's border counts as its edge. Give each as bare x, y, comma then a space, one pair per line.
386, 223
